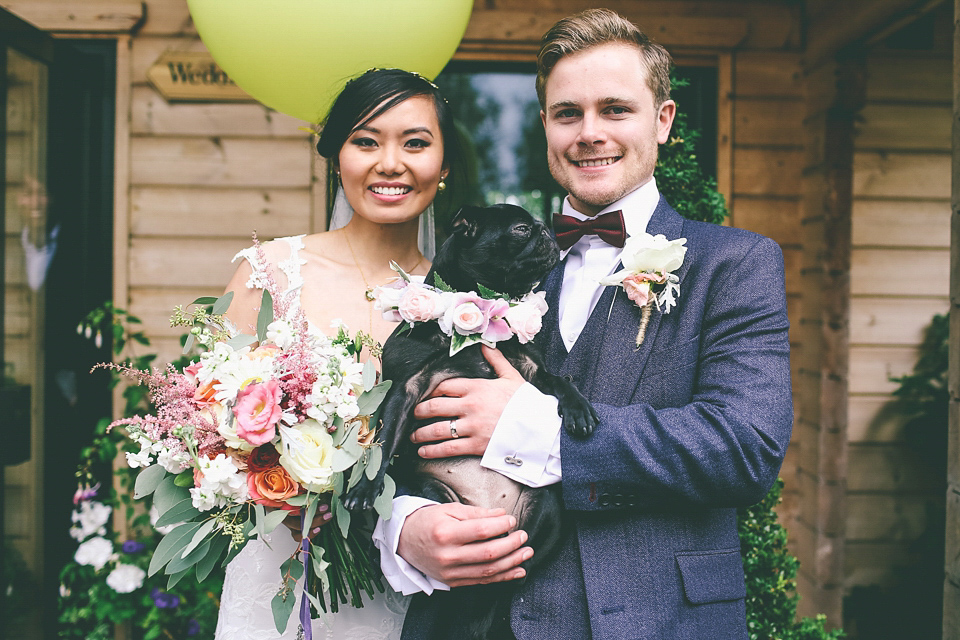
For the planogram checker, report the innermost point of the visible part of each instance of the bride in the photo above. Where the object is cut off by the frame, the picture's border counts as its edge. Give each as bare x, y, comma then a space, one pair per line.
391, 140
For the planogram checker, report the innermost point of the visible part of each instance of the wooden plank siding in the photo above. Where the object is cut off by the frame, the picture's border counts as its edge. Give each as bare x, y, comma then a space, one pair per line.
899, 280
202, 178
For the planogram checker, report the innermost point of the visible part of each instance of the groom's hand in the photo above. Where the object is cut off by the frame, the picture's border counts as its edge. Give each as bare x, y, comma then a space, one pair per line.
461, 545
471, 405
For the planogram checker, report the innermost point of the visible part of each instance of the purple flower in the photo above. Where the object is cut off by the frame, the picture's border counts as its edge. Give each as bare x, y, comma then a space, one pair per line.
85, 492
193, 627
132, 546
164, 600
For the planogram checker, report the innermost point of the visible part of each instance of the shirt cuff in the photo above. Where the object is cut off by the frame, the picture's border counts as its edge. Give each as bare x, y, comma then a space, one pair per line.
402, 575
525, 445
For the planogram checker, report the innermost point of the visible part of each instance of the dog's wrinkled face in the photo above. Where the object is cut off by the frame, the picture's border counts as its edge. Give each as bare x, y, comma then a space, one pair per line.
501, 247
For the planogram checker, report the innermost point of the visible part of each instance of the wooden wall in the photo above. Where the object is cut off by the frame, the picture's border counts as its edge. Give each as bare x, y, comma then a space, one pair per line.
899, 280
202, 179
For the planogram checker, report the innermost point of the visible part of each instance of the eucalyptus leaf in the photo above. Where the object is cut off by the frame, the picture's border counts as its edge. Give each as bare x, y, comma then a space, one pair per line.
188, 344
183, 511
198, 537
369, 375
344, 458
205, 566
273, 519
341, 516
223, 303
168, 494
176, 578
265, 317
241, 340
293, 566
308, 517
205, 300
282, 606
320, 565
370, 400
297, 501
179, 563
314, 601
357, 473
171, 544
261, 515
384, 502
373, 464
148, 480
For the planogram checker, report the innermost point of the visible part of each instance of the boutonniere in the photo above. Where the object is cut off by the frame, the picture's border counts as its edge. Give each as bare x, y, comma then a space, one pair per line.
467, 317
647, 275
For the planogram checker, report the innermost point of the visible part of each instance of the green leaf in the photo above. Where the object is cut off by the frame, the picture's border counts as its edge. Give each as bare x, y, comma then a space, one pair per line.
184, 479
489, 294
273, 519
313, 600
205, 300
369, 375
265, 317
222, 303
183, 511
293, 566
440, 284
171, 544
148, 480
177, 577
319, 564
187, 344
241, 340
341, 516
297, 501
168, 494
357, 472
370, 400
198, 537
260, 514
185, 561
373, 464
458, 342
282, 608
384, 502
205, 566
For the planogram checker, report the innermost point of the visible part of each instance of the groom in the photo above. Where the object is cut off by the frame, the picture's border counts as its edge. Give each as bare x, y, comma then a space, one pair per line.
693, 423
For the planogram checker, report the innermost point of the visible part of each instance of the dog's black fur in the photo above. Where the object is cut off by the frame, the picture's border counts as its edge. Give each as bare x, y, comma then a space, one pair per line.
504, 249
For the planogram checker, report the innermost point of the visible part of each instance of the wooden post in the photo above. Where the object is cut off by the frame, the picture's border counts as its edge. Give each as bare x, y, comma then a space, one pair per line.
951, 591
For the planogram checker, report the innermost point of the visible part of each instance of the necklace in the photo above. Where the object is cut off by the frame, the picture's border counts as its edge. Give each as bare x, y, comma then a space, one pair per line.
368, 292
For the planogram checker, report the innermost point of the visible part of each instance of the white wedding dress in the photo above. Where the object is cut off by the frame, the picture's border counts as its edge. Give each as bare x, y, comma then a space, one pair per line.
253, 577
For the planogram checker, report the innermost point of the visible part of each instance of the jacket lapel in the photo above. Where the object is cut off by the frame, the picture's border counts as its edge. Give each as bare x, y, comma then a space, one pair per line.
618, 351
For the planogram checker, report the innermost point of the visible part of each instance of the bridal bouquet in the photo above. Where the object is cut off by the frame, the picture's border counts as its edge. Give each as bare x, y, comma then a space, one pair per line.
248, 435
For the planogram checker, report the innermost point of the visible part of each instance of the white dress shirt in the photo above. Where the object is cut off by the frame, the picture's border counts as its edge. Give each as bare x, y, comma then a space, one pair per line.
525, 445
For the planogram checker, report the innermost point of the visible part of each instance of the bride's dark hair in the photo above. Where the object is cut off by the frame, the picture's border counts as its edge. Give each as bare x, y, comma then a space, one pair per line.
373, 93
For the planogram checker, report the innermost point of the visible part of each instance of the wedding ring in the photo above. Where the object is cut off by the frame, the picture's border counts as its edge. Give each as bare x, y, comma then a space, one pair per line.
453, 429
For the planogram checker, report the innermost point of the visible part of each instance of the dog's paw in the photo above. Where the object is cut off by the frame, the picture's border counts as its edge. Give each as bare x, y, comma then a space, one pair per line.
362, 495
579, 417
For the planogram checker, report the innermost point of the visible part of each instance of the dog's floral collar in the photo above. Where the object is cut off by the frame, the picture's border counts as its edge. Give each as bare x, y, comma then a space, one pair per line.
647, 275
467, 317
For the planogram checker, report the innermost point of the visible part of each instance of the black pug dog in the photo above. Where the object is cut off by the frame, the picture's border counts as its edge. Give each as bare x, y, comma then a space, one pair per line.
502, 248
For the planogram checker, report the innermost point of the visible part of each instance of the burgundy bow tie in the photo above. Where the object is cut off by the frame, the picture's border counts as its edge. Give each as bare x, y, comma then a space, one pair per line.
609, 227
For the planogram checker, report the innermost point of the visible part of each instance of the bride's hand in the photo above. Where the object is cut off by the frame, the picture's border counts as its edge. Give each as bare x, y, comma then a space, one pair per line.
292, 521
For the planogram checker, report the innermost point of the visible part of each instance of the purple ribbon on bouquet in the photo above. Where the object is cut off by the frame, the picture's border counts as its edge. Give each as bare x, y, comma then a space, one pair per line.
305, 624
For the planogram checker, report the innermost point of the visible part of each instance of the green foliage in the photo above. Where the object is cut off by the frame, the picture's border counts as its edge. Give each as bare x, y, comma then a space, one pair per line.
88, 607
681, 180
771, 576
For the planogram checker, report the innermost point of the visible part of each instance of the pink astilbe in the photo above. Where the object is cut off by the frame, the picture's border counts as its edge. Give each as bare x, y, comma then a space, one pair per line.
299, 368
281, 300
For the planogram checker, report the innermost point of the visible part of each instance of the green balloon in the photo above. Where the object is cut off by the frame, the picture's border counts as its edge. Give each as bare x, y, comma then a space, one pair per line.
295, 56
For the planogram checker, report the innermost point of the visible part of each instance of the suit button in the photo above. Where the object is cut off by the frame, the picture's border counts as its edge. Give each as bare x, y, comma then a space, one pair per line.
604, 499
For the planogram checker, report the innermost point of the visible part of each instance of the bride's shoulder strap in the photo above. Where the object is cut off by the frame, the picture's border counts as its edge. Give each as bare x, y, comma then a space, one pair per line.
282, 253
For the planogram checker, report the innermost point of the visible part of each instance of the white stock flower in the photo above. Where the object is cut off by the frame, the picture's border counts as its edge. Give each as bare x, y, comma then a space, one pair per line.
173, 462
280, 333
90, 518
126, 578
307, 455
95, 552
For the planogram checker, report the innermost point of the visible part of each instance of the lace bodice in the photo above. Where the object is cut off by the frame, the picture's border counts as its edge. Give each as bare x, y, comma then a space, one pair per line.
253, 577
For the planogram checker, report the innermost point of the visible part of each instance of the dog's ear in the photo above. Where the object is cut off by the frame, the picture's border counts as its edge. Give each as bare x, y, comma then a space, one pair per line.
465, 222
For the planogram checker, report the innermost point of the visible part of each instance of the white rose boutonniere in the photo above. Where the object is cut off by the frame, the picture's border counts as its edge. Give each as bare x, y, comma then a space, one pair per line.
647, 275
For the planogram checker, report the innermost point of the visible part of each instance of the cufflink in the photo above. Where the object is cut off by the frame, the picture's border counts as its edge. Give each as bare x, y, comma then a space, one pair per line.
513, 460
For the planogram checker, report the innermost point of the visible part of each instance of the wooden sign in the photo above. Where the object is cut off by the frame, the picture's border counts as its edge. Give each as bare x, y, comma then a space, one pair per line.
193, 76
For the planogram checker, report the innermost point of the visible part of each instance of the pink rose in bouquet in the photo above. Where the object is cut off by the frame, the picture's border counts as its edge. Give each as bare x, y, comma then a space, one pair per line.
257, 412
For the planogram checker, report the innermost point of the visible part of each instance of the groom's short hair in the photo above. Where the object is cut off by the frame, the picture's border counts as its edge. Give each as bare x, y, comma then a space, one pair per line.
594, 27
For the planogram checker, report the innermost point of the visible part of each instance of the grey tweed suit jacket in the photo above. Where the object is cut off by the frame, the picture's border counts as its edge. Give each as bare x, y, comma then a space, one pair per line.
693, 424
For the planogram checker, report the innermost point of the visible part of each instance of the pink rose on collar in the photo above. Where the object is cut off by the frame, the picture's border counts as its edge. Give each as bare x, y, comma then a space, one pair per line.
419, 304
526, 321
258, 411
